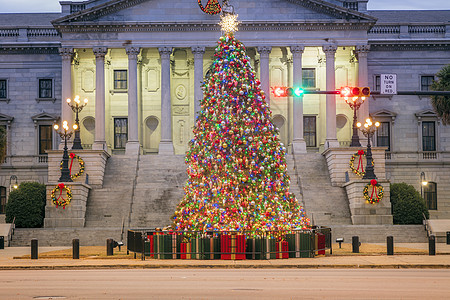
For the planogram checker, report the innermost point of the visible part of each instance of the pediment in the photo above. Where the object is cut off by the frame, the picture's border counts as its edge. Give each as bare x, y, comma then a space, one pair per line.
5, 118
44, 116
116, 12
428, 113
384, 113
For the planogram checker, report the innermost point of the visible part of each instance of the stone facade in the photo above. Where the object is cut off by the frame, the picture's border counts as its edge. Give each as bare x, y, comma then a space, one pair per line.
168, 45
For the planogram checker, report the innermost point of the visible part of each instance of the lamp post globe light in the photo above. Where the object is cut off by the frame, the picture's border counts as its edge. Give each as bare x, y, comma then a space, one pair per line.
352, 98
77, 106
368, 130
65, 134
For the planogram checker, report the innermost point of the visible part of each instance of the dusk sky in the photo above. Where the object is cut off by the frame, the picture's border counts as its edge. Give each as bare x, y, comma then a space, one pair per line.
53, 5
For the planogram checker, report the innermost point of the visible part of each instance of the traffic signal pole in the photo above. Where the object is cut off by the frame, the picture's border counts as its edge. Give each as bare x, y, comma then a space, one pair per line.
411, 93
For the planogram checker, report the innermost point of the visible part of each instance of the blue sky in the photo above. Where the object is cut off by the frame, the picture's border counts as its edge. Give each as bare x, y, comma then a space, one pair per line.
53, 5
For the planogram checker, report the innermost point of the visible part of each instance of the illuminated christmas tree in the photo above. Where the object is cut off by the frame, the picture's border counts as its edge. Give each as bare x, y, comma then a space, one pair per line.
237, 178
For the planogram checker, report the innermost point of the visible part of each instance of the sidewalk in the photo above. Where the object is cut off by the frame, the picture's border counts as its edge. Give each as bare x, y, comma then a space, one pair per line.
440, 261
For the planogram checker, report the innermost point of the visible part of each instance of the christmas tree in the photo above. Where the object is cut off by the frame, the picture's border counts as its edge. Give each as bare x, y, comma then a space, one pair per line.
237, 178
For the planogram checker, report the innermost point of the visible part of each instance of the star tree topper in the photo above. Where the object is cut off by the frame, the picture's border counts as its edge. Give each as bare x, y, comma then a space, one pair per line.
229, 23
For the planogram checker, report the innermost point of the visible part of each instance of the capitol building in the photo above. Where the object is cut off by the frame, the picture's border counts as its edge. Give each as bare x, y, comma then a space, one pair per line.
141, 63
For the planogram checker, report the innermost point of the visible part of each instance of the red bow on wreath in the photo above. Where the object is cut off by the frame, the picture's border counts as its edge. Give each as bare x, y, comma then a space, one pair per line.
61, 187
374, 183
360, 162
72, 156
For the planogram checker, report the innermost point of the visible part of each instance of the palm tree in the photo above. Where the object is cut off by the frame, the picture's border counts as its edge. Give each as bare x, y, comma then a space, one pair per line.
441, 104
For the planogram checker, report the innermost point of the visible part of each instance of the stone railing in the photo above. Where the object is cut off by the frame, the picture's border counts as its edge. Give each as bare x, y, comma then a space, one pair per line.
415, 157
76, 7
37, 32
9, 32
407, 30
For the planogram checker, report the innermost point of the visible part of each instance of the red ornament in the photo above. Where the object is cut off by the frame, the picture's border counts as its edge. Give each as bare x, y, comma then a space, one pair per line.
61, 186
360, 152
72, 155
373, 182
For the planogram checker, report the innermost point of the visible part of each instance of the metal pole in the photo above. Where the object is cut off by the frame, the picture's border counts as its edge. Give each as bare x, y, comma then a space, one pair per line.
109, 247
355, 244
34, 249
432, 245
370, 174
390, 245
76, 249
77, 140
65, 171
355, 136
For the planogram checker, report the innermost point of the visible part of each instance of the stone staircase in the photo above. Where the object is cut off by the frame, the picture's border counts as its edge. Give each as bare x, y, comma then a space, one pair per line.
159, 188
110, 206
325, 204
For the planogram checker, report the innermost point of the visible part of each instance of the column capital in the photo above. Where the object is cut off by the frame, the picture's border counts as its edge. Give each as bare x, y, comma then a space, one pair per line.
100, 52
196, 50
329, 49
66, 53
132, 52
264, 50
165, 52
297, 50
362, 50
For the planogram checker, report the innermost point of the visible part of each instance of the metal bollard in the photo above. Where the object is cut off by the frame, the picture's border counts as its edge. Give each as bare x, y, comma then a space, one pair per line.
390, 245
432, 245
109, 247
34, 249
76, 249
355, 244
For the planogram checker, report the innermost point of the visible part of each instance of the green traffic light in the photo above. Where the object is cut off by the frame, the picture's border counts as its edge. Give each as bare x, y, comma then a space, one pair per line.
298, 92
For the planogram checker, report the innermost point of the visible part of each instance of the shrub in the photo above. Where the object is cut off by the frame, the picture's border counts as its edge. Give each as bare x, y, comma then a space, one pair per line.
27, 204
407, 204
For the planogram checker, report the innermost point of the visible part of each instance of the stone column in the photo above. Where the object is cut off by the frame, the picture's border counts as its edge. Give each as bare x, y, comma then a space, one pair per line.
198, 77
166, 143
264, 52
66, 90
133, 146
363, 80
100, 141
298, 142
331, 139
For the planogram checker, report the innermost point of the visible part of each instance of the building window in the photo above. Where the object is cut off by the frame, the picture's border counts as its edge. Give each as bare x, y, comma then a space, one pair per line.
309, 130
45, 88
377, 82
430, 195
3, 90
120, 133
3, 141
308, 78
120, 79
45, 138
351, 5
428, 136
426, 82
383, 135
2, 200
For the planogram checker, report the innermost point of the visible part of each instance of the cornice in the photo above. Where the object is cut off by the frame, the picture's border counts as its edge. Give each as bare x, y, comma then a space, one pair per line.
29, 50
316, 25
442, 45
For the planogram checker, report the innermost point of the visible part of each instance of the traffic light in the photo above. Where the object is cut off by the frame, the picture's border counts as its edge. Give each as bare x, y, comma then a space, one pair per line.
282, 91
351, 92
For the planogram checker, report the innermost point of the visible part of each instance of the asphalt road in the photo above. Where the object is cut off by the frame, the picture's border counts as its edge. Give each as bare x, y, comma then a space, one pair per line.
225, 284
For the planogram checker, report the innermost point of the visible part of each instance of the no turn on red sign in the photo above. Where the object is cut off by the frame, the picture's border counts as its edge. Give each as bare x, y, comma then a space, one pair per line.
388, 84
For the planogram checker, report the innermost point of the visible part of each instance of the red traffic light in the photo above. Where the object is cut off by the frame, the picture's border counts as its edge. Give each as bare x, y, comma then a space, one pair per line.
346, 91
355, 91
282, 91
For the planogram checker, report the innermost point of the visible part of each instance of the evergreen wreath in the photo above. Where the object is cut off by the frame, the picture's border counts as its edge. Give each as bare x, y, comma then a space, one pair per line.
60, 200
357, 170
80, 163
376, 194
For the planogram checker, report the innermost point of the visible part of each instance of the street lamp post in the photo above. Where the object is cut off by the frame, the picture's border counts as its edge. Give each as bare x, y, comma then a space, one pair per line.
354, 103
423, 183
77, 107
368, 130
13, 183
65, 134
